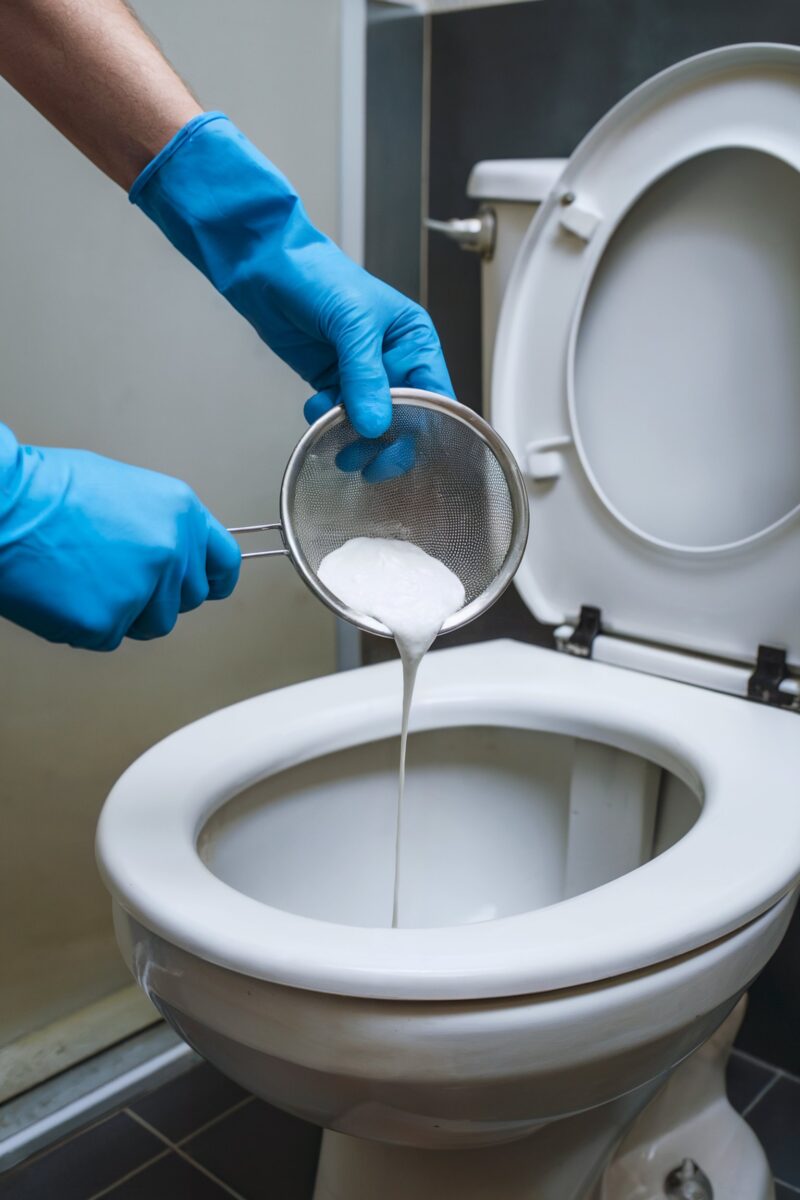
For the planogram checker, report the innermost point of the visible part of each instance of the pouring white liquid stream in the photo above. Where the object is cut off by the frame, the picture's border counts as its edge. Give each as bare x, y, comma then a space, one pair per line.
413, 594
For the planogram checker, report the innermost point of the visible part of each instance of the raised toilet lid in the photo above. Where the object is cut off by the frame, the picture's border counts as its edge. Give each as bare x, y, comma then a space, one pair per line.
647, 367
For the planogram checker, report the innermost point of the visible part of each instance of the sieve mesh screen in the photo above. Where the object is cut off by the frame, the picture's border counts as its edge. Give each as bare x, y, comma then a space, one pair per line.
454, 503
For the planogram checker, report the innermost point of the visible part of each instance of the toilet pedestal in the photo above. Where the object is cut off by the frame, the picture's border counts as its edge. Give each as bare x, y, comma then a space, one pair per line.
643, 1136
561, 1161
691, 1118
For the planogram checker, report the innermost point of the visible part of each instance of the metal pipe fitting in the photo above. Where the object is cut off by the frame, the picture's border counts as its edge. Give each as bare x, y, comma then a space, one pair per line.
476, 234
688, 1182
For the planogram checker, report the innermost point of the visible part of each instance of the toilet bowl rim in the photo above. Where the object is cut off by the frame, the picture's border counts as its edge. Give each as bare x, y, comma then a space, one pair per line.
147, 838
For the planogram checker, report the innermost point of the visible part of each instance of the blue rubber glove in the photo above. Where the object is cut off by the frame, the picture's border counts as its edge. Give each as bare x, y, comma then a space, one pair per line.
239, 220
93, 550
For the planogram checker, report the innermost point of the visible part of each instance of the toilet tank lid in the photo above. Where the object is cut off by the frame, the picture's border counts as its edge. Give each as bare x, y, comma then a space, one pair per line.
524, 180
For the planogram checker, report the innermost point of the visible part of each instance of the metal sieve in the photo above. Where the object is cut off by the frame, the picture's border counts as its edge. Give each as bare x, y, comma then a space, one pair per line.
463, 501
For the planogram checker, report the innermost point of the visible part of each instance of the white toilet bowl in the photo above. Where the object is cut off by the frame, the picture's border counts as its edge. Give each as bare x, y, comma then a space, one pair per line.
248, 853
598, 856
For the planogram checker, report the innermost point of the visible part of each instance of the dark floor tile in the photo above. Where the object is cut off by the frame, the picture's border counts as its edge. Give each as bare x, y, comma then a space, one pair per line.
776, 1121
784, 1193
171, 1178
258, 1148
84, 1164
745, 1079
184, 1104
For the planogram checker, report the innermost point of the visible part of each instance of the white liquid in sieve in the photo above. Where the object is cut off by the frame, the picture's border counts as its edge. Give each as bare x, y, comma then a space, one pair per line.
413, 594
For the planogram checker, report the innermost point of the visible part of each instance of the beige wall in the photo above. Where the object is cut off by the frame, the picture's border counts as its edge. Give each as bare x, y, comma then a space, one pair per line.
109, 340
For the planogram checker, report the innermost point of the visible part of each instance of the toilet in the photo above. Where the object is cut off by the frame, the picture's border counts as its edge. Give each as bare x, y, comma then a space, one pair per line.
601, 845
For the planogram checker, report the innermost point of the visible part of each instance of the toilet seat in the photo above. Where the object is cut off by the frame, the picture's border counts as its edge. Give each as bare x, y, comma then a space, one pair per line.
739, 858
702, 160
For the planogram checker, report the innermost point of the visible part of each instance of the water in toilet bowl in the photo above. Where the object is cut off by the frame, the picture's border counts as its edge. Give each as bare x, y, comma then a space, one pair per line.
413, 594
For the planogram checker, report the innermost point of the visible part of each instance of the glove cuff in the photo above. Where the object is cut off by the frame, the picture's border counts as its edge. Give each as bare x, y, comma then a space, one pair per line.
226, 208
173, 145
219, 200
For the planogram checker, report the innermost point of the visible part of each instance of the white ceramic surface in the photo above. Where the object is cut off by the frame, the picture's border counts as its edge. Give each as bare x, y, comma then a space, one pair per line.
647, 368
692, 1117
689, 1117
741, 856
518, 180
448, 1074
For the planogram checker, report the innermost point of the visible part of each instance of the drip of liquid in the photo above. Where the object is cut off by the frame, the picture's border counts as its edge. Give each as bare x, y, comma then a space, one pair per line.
412, 594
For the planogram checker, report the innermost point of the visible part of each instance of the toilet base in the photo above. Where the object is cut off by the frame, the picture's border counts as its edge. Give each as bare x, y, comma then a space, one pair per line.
691, 1118
643, 1136
561, 1161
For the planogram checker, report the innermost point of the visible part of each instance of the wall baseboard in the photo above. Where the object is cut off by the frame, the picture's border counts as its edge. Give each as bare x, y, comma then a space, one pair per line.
89, 1091
79, 1035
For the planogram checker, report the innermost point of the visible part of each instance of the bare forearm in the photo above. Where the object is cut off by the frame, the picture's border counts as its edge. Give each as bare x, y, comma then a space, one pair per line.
92, 71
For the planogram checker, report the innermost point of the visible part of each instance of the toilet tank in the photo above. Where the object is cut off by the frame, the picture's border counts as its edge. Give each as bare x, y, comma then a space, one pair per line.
509, 192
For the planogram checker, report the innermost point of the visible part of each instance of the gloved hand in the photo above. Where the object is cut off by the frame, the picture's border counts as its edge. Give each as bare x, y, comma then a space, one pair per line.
93, 550
239, 220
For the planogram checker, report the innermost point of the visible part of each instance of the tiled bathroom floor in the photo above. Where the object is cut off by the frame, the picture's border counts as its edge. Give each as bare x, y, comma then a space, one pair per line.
201, 1137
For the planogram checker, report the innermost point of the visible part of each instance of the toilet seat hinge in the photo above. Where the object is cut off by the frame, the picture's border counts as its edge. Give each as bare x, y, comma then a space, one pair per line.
582, 639
764, 685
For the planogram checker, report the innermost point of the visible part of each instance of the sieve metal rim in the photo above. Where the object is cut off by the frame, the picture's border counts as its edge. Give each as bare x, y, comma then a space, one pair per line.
520, 508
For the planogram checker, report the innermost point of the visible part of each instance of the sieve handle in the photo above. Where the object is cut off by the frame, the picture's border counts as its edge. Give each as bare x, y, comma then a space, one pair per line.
259, 529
